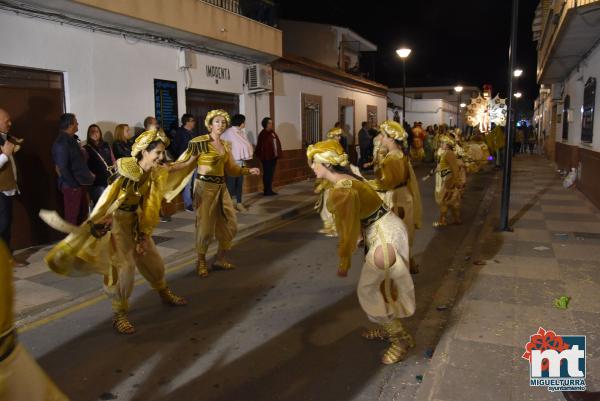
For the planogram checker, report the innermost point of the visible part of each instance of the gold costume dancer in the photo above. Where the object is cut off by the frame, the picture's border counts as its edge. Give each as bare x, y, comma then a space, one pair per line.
21, 378
379, 152
215, 215
462, 159
396, 182
385, 289
447, 182
478, 152
117, 237
323, 187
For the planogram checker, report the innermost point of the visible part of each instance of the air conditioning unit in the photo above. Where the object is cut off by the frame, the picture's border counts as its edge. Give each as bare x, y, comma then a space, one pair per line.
259, 77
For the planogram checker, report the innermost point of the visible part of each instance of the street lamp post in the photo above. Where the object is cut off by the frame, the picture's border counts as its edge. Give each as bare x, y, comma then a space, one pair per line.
403, 53
517, 74
517, 97
506, 176
458, 89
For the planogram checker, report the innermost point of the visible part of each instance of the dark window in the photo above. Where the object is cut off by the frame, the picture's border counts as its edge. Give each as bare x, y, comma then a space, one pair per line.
587, 117
312, 120
565, 118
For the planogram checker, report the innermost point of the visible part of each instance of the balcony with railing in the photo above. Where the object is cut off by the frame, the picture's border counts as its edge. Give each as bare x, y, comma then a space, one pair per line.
240, 29
565, 31
263, 11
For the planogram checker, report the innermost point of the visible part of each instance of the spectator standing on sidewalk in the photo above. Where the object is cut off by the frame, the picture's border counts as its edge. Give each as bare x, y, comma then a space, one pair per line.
123, 140
268, 150
8, 179
100, 160
364, 143
531, 139
74, 176
181, 139
241, 151
519, 141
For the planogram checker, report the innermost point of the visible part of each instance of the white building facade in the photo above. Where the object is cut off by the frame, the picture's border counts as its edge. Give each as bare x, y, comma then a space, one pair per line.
117, 65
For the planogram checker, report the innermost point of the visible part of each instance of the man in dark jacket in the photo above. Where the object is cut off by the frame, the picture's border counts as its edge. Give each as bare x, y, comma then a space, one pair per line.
268, 150
364, 143
73, 174
181, 139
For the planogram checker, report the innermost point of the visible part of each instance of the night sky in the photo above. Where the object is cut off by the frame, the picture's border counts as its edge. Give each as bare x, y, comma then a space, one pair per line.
453, 41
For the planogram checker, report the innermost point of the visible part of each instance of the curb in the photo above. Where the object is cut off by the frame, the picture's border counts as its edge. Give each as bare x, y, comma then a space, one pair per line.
183, 259
459, 273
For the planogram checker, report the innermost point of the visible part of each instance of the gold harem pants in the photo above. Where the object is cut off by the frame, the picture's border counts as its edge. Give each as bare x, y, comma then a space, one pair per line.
119, 283
400, 201
389, 293
215, 216
22, 379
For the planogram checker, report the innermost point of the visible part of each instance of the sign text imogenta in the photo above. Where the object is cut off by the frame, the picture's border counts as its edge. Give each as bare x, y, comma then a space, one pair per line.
215, 72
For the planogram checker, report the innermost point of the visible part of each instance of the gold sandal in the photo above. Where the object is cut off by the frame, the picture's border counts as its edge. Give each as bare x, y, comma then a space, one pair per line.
223, 265
375, 334
122, 324
169, 298
395, 353
407, 338
202, 266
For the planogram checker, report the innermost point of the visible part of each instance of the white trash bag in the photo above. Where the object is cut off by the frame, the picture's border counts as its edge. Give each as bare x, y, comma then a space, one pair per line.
570, 179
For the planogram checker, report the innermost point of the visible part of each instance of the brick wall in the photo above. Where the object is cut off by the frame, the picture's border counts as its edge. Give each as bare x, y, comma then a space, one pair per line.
291, 167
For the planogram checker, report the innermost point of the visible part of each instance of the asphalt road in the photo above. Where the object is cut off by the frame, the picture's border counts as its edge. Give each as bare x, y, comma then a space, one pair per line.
282, 326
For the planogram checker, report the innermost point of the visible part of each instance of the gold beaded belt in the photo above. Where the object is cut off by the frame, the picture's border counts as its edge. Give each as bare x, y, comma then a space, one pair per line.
8, 342
379, 213
444, 173
215, 179
128, 208
396, 187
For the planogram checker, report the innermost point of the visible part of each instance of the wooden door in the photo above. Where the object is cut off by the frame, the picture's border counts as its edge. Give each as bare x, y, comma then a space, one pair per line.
199, 103
35, 100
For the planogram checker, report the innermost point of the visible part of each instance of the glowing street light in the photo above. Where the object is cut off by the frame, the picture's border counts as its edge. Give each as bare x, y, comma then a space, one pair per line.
518, 95
458, 89
462, 105
403, 53
518, 72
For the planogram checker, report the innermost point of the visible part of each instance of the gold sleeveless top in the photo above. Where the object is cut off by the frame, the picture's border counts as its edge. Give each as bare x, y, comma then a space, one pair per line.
351, 201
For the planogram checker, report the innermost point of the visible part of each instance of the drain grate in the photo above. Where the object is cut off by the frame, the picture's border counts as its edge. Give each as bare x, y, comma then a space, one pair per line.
587, 235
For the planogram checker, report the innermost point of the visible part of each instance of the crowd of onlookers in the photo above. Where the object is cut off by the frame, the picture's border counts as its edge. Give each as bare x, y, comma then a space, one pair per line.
85, 170
525, 139
83, 167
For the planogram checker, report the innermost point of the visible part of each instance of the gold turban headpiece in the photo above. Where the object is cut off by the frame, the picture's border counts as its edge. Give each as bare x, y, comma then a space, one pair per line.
214, 113
327, 152
332, 133
447, 138
394, 130
146, 138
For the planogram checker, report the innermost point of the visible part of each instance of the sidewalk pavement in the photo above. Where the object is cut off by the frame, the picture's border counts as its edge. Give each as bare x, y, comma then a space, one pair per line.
40, 292
511, 281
